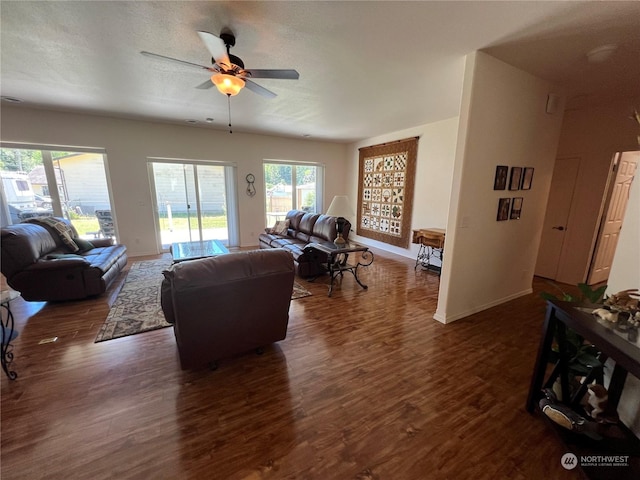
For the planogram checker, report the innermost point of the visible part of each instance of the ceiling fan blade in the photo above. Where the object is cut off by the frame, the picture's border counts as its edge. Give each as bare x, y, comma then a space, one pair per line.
260, 90
216, 48
175, 60
274, 73
205, 85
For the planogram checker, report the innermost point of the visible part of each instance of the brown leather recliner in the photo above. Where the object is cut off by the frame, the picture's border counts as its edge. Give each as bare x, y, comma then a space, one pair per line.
38, 264
229, 304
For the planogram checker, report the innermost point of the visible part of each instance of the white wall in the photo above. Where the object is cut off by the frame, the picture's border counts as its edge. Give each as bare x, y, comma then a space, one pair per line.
502, 122
434, 172
128, 144
625, 273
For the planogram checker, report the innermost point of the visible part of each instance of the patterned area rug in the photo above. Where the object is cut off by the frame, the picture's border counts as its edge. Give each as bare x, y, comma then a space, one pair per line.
137, 308
299, 291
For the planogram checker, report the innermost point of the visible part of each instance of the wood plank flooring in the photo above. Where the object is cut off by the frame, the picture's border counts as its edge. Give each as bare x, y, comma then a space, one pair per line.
366, 386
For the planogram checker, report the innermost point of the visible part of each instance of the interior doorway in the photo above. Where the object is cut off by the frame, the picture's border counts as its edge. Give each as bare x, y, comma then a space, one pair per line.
194, 201
553, 246
612, 216
565, 174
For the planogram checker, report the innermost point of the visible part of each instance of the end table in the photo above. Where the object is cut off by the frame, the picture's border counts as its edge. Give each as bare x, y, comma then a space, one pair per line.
337, 259
8, 332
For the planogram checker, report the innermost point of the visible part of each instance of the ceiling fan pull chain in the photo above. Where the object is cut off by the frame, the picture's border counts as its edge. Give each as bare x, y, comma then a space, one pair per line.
229, 102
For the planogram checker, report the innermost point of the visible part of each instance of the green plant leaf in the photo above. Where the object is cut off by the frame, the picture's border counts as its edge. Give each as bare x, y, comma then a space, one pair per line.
594, 296
587, 360
548, 296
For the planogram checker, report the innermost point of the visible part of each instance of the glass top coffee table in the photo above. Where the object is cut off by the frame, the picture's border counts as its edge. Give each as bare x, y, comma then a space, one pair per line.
182, 251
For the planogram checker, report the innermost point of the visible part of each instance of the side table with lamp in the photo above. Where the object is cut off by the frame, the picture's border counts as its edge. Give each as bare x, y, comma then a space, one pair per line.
341, 208
337, 253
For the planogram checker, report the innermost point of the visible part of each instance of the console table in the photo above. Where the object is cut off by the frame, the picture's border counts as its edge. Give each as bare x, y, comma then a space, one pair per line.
338, 259
431, 241
8, 332
626, 354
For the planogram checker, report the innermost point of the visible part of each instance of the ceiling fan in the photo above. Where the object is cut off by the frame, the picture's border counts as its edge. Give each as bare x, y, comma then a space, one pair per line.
228, 72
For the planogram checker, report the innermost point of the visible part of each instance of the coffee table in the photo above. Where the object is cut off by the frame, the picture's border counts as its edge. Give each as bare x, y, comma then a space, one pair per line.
182, 251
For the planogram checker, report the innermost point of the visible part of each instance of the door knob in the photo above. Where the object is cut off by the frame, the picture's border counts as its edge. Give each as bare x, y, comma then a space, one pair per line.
558, 228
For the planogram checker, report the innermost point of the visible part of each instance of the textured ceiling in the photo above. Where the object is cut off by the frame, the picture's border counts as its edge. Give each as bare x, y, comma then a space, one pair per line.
366, 68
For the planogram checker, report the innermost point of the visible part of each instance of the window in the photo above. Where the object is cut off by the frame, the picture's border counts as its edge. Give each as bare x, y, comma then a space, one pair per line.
40, 182
292, 186
22, 186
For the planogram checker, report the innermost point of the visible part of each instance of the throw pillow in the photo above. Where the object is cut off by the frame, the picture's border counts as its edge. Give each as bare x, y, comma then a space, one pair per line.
281, 227
62, 229
84, 245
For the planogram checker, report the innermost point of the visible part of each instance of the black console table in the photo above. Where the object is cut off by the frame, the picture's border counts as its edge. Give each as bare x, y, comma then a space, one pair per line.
338, 259
8, 332
626, 354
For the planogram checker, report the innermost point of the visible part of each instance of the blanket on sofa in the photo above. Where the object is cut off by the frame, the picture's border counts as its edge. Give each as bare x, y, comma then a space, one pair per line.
65, 232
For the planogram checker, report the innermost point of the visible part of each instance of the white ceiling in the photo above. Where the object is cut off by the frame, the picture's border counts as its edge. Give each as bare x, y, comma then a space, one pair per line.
366, 68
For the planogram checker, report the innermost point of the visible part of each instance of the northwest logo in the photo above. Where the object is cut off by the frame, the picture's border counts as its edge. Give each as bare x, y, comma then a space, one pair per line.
569, 461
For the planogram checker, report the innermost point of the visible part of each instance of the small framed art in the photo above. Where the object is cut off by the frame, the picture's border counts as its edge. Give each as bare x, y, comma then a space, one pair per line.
527, 178
500, 180
503, 209
516, 177
516, 208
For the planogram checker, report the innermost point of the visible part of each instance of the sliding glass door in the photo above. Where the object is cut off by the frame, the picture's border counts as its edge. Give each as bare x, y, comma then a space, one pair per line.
194, 201
70, 184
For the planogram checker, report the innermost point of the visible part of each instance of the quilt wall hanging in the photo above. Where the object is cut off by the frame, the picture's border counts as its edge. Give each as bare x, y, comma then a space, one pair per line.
386, 178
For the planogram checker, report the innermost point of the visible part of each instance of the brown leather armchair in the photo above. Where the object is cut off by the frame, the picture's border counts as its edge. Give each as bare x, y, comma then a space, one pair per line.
229, 304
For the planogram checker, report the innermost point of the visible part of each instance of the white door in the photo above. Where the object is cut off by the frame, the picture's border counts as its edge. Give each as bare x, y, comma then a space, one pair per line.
554, 230
611, 224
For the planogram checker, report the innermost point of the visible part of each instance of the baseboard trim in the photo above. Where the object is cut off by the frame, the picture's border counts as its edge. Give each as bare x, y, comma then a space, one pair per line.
452, 318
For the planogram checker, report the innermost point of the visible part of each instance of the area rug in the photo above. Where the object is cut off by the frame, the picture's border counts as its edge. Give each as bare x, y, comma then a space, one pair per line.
137, 307
299, 291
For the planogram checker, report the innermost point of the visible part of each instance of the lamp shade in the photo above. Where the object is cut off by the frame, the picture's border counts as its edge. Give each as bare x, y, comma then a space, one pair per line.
340, 207
227, 84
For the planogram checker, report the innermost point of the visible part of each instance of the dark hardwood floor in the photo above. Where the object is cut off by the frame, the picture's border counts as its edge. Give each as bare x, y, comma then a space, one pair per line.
366, 386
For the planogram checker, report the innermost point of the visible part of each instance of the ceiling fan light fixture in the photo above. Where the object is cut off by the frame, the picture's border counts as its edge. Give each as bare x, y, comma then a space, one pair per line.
227, 84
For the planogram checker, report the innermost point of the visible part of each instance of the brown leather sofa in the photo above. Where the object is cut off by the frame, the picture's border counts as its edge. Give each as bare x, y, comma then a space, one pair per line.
305, 228
38, 264
229, 304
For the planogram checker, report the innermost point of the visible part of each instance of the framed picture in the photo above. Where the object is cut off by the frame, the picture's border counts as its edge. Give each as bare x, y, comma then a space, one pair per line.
516, 208
503, 209
500, 180
527, 178
516, 177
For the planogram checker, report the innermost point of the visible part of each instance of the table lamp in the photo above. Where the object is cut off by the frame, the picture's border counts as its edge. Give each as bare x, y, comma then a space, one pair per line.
340, 207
